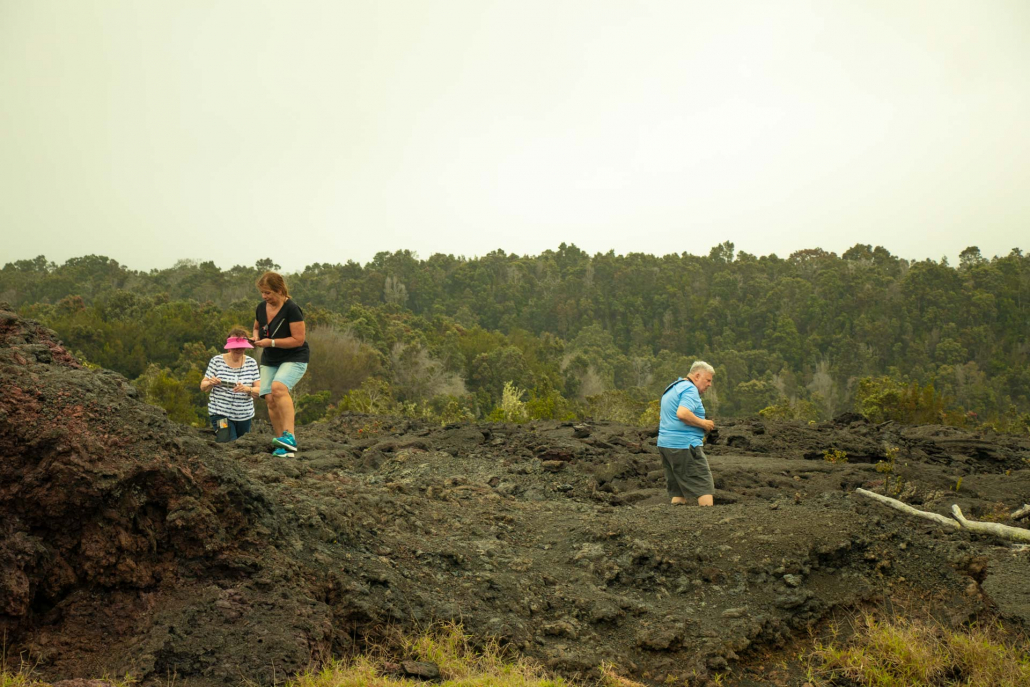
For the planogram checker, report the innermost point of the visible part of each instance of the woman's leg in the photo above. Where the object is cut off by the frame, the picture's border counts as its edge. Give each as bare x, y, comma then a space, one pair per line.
241, 427
267, 375
273, 413
216, 420
283, 402
286, 378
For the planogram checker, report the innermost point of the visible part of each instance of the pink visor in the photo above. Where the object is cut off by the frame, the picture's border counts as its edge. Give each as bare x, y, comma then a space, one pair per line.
237, 342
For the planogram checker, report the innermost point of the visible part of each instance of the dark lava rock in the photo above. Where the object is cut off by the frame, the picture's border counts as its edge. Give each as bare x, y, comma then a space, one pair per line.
661, 638
424, 670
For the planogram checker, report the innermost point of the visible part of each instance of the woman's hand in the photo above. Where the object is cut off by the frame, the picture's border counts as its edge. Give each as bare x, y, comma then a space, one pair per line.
263, 343
243, 388
211, 382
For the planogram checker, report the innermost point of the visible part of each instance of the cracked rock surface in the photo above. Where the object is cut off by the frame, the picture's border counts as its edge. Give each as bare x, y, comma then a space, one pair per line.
129, 543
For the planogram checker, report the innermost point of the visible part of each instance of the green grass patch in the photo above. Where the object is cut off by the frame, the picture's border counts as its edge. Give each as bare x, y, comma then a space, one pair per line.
917, 653
460, 662
25, 678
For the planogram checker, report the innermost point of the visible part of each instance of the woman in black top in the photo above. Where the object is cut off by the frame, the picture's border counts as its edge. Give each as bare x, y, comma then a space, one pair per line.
279, 331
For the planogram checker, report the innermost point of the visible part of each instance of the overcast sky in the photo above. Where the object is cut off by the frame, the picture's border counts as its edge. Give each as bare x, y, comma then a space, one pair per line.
311, 131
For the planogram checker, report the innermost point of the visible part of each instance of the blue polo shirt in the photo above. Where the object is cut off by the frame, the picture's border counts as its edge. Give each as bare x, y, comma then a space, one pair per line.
672, 431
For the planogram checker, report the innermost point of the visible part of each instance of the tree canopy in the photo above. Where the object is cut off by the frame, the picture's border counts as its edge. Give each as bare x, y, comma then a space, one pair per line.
808, 327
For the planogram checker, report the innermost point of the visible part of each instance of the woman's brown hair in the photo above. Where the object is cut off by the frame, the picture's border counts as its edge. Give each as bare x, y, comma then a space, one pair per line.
238, 332
273, 281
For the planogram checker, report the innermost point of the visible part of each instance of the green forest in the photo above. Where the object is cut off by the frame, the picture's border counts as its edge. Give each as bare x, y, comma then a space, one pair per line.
568, 335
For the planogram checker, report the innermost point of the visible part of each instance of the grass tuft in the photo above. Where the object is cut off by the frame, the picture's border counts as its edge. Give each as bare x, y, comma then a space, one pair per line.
461, 665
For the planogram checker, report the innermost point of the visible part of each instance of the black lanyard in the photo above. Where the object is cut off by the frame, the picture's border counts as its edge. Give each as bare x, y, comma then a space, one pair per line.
269, 323
681, 379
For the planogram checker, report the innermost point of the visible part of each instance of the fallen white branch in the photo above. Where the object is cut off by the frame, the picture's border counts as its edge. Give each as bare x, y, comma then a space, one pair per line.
997, 529
1021, 513
960, 521
905, 508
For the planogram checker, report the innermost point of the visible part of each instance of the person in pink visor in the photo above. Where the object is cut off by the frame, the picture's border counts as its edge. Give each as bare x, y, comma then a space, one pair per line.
233, 380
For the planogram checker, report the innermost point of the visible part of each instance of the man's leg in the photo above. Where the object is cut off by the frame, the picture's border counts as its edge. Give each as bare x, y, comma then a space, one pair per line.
702, 476
678, 459
672, 486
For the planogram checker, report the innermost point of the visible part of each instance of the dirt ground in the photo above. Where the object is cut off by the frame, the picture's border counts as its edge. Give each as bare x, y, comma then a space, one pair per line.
129, 543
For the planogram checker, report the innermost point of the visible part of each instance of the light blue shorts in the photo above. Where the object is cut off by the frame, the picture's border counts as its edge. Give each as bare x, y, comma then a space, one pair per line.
286, 373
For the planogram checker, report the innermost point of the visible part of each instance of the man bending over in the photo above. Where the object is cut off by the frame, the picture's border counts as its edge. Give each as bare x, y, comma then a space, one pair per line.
681, 434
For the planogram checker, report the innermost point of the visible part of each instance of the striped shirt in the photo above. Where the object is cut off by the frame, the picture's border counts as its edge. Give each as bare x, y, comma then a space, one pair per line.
225, 401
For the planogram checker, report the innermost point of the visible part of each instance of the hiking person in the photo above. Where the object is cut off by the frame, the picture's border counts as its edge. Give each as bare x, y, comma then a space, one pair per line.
681, 434
232, 380
279, 330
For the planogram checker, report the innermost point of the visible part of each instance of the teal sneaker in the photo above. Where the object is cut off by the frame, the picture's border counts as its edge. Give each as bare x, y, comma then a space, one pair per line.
283, 453
286, 441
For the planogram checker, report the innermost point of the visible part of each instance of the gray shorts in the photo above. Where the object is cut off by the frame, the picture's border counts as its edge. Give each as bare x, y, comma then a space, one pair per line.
686, 471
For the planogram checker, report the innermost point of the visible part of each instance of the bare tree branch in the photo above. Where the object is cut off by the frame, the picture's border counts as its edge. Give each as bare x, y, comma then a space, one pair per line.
960, 521
998, 530
905, 508
1021, 513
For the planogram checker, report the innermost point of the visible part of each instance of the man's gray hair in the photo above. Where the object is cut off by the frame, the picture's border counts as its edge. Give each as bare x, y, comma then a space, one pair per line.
701, 365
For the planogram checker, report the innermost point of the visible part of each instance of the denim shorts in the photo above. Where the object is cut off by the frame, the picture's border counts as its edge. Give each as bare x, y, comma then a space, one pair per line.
286, 373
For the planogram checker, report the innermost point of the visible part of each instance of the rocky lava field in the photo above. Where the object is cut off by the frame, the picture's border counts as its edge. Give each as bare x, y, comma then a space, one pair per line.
129, 543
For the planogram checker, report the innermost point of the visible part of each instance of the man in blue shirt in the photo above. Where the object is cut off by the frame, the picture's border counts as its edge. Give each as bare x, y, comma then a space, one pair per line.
681, 435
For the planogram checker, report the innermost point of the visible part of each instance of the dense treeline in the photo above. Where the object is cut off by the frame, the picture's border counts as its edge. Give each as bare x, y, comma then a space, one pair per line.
581, 334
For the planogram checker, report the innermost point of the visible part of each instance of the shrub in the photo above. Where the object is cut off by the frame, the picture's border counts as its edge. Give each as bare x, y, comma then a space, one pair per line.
312, 407
417, 375
157, 386
616, 406
883, 398
373, 397
439, 409
453, 409
652, 415
1010, 423
549, 404
835, 455
512, 409
797, 409
888, 467
340, 361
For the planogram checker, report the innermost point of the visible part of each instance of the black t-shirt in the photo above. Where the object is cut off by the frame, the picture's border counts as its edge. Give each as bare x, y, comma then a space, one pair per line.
279, 328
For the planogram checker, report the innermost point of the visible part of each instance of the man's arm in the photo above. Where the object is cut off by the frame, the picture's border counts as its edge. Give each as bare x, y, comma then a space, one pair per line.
687, 417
